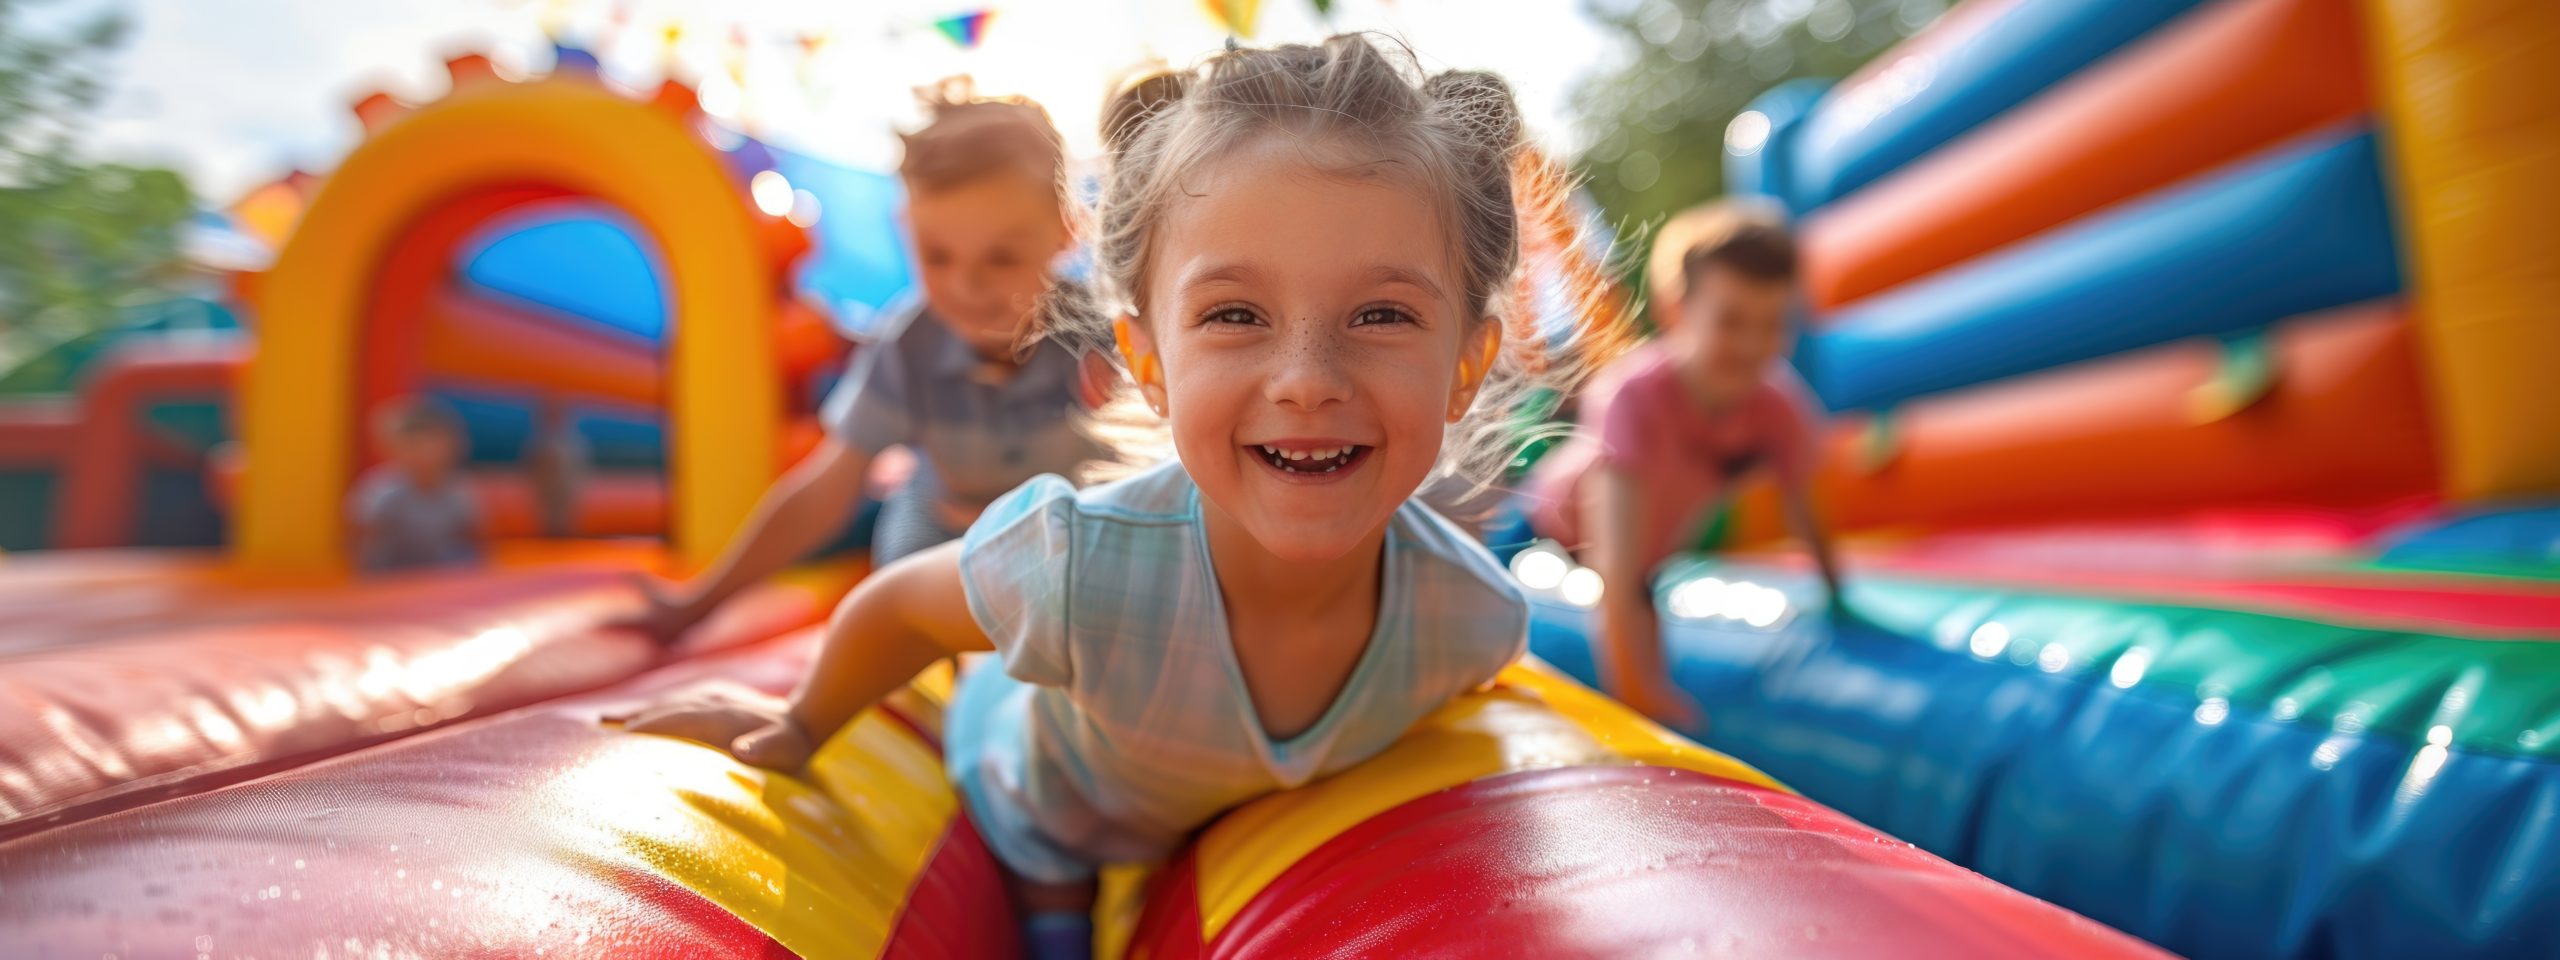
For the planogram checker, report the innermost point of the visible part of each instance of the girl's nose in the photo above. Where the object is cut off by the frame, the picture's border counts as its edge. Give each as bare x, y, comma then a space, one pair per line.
1308, 370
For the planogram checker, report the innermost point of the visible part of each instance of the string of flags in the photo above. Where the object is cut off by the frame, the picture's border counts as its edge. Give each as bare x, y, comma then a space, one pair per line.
966, 28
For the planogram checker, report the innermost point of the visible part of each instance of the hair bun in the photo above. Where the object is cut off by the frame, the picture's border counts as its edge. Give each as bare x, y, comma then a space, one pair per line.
1477, 103
1140, 99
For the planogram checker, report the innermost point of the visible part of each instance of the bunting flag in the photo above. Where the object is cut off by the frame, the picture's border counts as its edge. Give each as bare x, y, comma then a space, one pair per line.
966, 29
1237, 16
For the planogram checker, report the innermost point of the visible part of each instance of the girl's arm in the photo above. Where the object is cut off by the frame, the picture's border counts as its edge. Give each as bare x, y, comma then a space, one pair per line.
897, 622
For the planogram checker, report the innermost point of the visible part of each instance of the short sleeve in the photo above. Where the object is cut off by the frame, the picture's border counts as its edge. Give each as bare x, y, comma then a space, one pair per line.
1468, 609
868, 409
1016, 564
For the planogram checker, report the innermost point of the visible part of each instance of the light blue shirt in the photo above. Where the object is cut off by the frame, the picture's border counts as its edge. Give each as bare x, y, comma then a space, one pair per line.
1120, 720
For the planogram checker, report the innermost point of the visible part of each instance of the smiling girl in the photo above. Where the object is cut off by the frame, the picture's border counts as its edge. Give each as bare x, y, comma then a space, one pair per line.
1308, 251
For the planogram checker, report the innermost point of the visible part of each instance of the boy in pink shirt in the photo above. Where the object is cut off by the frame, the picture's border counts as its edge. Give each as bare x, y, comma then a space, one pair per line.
1671, 429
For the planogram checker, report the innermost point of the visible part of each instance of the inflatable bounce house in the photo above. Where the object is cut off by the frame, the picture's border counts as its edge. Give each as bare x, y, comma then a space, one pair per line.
248, 754
2198, 447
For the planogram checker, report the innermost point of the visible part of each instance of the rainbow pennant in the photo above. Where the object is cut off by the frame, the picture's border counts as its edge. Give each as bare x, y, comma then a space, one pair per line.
966, 29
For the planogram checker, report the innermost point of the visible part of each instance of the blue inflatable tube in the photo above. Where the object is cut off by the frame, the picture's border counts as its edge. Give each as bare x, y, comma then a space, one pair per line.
1894, 116
2303, 230
2209, 826
1758, 153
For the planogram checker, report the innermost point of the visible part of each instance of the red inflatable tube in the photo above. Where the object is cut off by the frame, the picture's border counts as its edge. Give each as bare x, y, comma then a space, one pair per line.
472, 339
2341, 424
2226, 81
154, 686
612, 504
459, 844
1623, 862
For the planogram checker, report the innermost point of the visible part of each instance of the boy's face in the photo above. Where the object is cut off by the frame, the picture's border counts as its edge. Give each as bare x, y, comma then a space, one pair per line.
984, 247
1739, 322
425, 452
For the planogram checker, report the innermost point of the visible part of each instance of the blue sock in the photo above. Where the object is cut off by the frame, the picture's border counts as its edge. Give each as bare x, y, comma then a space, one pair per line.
1059, 935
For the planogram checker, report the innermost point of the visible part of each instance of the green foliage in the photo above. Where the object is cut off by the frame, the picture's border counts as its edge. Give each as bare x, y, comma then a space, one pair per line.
79, 240
1656, 125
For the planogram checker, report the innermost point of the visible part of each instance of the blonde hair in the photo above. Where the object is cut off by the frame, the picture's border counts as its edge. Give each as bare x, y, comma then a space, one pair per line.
1457, 133
970, 138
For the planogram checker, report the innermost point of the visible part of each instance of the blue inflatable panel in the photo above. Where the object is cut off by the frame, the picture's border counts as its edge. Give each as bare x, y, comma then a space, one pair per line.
2515, 537
1765, 168
500, 424
859, 265
2302, 230
1862, 133
2213, 829
579, 259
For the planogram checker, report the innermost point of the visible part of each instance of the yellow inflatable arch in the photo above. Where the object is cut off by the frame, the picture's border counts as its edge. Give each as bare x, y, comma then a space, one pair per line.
724, 395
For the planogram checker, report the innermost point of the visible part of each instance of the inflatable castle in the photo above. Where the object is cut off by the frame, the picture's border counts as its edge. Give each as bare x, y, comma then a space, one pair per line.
245, 753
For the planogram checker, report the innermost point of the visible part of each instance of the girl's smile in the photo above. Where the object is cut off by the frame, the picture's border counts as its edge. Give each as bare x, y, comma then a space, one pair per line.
1313, 461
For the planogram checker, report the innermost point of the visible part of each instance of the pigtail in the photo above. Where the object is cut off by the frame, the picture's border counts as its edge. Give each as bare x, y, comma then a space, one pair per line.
1139, 101
1546, 281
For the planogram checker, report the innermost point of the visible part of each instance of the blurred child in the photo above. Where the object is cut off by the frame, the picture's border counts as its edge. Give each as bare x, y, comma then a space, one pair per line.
556, 460
415, 510
1308, 252
1672, 428
986, 213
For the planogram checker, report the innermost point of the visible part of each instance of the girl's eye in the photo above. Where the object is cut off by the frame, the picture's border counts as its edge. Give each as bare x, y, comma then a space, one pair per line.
1378, 315
1231, 315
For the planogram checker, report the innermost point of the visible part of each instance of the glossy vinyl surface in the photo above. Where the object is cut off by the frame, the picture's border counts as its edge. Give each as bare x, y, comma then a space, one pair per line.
1623, 861
168, 676
537, 832
2225, 784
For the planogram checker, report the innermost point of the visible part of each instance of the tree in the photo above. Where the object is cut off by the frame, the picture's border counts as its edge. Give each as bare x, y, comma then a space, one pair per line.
1655, 127
79, 240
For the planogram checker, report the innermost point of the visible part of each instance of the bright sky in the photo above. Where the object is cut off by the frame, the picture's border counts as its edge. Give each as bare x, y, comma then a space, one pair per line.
235, 93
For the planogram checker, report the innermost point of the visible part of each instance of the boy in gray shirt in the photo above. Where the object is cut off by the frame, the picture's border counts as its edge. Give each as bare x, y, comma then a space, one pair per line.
414, 510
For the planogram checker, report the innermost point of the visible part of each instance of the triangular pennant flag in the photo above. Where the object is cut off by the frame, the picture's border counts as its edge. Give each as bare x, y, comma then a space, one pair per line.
966, 29
1236, 15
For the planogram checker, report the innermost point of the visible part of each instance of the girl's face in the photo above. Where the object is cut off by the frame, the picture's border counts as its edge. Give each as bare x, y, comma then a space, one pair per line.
984, 249
1310, 327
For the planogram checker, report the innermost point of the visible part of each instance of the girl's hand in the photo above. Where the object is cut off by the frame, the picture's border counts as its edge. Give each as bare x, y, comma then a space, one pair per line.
761, 736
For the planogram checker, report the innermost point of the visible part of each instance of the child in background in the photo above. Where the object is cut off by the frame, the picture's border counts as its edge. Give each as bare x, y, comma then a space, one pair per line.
414, 510
1672, 428
1309, 253
949, 381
